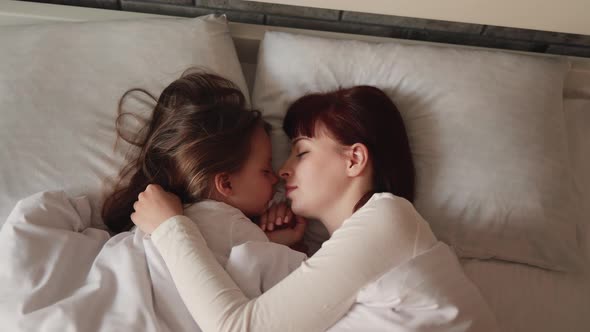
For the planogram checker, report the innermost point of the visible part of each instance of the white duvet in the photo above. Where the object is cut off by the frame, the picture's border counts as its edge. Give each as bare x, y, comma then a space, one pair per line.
58, 274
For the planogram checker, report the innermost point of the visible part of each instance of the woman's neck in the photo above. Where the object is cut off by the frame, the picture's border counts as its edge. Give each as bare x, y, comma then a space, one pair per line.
343, 207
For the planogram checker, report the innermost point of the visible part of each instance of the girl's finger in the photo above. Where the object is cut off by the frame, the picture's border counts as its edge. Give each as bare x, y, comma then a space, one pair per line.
272, 215
263, 221
281, 214
289, 216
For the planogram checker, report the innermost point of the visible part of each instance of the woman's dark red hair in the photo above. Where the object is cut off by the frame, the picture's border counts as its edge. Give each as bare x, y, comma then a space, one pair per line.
361, 114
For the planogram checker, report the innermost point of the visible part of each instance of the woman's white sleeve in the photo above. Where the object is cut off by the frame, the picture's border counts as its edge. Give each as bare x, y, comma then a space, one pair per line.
382, 234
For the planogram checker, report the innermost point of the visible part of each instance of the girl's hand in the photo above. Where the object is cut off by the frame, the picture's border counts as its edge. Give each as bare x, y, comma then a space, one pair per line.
290, 235
153, 207
276, 216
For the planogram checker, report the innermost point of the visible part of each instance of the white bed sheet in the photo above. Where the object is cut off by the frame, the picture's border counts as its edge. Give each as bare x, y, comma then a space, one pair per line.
529, 299
525, 298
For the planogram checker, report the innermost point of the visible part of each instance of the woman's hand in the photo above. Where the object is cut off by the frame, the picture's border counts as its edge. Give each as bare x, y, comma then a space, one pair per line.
153, 207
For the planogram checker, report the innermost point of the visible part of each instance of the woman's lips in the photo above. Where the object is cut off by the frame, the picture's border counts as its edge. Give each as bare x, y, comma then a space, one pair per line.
289, 189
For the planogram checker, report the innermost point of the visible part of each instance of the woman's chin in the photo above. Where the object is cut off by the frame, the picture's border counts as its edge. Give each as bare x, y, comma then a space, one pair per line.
297, 209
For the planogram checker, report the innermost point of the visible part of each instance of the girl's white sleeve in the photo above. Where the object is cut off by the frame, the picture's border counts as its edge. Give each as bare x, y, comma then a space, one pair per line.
385, 232
243, 230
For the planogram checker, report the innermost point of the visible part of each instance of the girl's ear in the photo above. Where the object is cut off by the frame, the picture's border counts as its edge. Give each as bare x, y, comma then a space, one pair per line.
222, 184
358, 159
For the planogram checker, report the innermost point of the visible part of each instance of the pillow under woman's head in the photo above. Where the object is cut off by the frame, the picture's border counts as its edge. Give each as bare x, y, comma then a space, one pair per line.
486, 130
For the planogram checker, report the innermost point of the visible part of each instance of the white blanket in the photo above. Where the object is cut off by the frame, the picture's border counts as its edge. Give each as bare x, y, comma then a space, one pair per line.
57, 274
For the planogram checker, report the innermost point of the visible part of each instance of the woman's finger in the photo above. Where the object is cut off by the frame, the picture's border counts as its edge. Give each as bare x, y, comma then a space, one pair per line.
152, 187
172, 197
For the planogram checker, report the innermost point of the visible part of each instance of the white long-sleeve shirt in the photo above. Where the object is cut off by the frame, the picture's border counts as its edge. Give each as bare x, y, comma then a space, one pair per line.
383, 234
223, 227
427, 293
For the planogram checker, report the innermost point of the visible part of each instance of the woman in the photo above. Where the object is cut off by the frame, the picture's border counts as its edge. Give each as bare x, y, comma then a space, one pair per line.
351, 168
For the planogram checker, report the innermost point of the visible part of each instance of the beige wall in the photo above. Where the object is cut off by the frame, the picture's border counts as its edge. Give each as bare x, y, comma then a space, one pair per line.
572, 16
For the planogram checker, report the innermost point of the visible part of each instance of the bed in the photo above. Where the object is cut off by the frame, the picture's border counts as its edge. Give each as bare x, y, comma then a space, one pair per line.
524, 296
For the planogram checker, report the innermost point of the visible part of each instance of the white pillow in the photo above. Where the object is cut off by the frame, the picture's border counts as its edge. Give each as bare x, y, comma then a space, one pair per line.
59, 89
577, 114
486, 130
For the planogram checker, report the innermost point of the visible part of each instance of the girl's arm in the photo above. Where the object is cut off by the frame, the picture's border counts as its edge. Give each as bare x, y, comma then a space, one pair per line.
382, 234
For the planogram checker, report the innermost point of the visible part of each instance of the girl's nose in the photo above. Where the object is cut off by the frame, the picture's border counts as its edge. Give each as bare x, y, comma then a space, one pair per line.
275, 178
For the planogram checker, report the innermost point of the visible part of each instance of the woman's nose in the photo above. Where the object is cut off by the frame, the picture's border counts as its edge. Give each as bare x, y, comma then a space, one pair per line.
284, 171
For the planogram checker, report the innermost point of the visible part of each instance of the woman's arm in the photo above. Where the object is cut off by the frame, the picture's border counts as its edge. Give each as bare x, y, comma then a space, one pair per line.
382, 234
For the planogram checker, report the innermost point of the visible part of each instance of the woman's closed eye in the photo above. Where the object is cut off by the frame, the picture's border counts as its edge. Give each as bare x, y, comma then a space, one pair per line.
301, 154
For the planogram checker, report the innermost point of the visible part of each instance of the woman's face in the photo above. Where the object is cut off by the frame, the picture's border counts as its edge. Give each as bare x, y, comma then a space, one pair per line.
315, 174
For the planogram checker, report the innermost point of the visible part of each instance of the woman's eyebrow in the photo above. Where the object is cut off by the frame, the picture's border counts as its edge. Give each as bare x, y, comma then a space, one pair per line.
294, 141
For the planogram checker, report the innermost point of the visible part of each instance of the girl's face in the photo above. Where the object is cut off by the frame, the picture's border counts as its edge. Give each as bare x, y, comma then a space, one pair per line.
252, 186
315, 174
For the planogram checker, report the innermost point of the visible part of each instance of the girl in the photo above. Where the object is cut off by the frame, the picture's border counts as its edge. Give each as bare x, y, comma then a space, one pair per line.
206, 147
382, 269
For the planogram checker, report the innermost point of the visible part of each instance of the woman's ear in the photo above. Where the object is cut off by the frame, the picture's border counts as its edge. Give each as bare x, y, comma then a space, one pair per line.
358, 159
222, 184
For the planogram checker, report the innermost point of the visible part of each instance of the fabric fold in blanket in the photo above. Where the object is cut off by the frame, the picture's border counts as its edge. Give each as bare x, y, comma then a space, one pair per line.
57, 274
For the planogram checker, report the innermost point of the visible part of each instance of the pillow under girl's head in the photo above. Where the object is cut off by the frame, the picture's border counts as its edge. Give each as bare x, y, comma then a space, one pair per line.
58, 116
